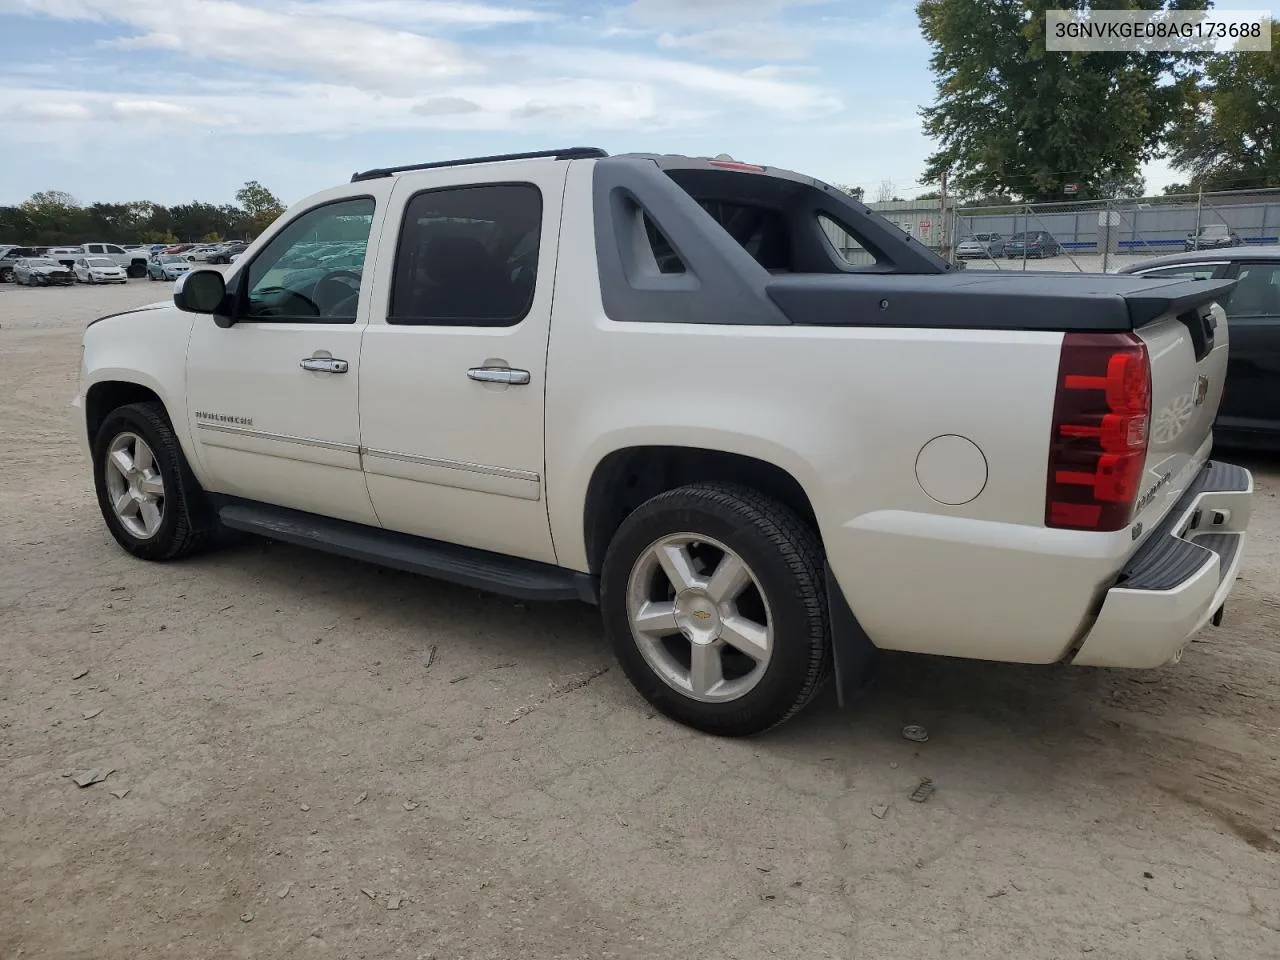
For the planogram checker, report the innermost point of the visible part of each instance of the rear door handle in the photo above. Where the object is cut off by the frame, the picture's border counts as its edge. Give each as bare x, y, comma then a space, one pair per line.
323, 365
499, 375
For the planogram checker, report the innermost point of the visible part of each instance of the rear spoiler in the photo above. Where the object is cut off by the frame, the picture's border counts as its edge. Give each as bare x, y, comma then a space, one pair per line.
1174, 299
991, 300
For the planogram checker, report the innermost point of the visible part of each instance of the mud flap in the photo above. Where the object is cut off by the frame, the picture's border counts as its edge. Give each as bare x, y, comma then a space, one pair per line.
853, 655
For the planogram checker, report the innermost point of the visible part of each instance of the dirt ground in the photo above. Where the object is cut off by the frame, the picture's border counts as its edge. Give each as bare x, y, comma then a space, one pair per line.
316, 758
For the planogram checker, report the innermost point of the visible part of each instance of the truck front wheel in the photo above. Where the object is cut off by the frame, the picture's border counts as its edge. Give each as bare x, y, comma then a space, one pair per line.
713, 598
151, 502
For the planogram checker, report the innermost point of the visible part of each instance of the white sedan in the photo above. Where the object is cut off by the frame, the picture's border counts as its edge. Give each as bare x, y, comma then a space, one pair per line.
99, 270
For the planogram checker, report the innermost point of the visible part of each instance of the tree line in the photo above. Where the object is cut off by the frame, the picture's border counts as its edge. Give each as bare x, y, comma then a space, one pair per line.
52, 218
1016, 122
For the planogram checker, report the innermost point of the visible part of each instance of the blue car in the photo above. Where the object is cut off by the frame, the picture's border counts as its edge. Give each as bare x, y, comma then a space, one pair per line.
168, 266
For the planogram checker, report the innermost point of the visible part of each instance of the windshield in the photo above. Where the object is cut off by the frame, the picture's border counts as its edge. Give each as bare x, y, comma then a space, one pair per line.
100, 262
173, 258
41, 262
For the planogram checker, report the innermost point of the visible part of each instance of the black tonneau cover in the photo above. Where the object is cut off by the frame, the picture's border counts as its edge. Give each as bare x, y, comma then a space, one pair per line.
972, 300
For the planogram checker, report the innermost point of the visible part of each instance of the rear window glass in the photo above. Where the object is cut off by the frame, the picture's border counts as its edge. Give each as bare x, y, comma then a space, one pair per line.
771, 218
845, 244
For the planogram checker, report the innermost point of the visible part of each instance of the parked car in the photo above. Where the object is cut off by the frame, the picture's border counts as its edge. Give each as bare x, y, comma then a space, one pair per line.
99, 270
42, 272
1036, 244
225, 251
1212, 236
178, 248
861, 481
986, 245
9, 255
168, 266
1250, 411
202, 253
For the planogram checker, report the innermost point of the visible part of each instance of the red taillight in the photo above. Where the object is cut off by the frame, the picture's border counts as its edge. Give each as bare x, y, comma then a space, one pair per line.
736, 165
1101, 420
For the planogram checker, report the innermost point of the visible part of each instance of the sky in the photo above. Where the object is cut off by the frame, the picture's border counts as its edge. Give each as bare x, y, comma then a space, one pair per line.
180, 100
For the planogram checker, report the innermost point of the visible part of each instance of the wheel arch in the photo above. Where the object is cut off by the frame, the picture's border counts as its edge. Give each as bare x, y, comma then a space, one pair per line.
107, 395
627, 477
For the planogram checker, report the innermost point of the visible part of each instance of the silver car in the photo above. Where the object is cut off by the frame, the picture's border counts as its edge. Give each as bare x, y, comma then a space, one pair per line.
981, 245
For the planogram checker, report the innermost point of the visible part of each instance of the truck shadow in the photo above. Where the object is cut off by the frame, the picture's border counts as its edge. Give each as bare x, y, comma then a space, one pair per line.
1186, 734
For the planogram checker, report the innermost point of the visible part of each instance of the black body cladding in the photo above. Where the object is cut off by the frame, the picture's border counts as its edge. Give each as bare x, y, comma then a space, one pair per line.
807, 282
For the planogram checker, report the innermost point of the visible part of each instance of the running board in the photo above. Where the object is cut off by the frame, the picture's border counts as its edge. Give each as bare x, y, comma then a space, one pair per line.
493, 572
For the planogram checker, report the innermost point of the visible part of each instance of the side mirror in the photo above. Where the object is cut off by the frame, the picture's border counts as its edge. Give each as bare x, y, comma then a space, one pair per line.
202, 291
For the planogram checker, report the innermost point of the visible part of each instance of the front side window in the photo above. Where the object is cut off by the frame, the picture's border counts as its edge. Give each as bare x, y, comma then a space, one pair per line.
468, 256
312, 269
1258, 292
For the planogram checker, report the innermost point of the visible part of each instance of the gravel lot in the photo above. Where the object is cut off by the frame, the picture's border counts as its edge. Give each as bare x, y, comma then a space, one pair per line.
326, 759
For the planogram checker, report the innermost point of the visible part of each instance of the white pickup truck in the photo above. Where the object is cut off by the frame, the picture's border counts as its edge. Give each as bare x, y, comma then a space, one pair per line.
656, 384
133, 261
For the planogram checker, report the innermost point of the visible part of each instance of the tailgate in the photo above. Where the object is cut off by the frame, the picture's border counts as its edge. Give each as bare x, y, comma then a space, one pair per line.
1185, 332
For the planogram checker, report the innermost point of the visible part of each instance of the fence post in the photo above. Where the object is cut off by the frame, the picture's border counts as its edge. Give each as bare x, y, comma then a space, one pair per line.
1026, 225
1199, 208
1106, 237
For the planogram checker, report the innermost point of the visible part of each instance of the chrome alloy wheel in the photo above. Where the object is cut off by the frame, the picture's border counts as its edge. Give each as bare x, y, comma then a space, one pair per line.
134, 485
699, 617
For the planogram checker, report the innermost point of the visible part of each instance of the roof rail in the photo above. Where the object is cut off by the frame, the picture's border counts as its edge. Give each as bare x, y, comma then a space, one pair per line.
566, 153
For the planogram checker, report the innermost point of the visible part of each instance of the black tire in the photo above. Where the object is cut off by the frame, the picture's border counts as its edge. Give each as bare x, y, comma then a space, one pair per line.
187, 523
135, 271
785, 557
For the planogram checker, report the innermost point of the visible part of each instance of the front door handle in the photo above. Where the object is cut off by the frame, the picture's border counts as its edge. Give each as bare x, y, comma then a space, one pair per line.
499, 375
323, 365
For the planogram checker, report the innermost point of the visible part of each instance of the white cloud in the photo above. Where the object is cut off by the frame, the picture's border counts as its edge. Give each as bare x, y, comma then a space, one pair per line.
669, 13
340, 68
753, 89
738, 43
363, 54
421, 12
444, 106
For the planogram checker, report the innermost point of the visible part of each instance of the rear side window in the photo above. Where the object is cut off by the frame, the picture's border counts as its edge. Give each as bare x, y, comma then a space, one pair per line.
468, 256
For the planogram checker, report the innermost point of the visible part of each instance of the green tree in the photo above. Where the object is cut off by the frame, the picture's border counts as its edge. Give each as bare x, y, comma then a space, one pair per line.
1232, 141
53, 217
1012, 117
260, 205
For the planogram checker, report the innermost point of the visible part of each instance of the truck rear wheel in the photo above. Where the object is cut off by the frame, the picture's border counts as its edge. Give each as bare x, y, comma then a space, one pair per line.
713, 598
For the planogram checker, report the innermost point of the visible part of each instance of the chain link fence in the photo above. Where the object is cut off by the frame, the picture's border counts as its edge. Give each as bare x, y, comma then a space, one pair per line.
1102, 235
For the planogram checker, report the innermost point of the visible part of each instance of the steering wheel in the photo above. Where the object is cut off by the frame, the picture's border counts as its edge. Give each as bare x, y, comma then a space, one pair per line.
278, 310
344, 294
